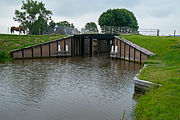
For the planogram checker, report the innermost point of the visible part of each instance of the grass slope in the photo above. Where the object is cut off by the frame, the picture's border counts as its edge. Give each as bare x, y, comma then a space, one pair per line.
11, 42
164, 68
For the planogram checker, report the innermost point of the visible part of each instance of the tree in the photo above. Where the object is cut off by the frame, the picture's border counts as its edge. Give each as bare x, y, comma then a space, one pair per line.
91, 27
33, 16
118, 17
52, 24
65, 24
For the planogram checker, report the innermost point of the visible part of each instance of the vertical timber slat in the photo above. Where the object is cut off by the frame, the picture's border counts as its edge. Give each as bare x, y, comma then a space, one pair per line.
49, 49
72, 46
120, 49
57, 45
23, 53
64, 44
74, 52
90, 46
41, 51
79, 46
129, 53
134, 54
82, 46
99, 46
140, 56
32, 51
124, 51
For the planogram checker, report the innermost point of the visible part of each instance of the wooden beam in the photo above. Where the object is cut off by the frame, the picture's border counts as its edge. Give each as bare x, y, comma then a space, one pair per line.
134, 54
129, 53
99, 47
72, 46
90, 46
32, 51
23, 53
140, 56
124, 51
79, 46
57, 45
120, 49
41, 50
49, 49
82, 46
64, 44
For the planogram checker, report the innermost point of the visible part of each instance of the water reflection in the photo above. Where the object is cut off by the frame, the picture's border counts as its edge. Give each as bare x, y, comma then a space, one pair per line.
67, 88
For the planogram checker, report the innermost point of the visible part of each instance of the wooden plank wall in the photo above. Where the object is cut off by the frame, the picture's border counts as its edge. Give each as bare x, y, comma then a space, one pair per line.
127, 52
49, 49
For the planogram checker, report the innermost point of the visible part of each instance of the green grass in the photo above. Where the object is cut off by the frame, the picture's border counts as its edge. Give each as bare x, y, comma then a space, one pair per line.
11, 42
163, 68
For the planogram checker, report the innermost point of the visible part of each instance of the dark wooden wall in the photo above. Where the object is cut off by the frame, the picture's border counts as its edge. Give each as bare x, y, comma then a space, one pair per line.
48, 49
81, 45
128, 52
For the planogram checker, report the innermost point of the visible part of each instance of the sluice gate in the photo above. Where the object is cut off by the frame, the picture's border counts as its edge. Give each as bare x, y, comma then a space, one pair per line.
85, 44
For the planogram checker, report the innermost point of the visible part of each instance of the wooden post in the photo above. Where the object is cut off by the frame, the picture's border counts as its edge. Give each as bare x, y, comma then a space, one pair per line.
64, 45
129, 53
41, 50
140, 56
79, 44
49, 49
108, 46
120, 49
124, 51
72, 46
82, 46
99, 49
32, 51
174, 33
23, 53
158, 32
134, 54
90, 46
57, 45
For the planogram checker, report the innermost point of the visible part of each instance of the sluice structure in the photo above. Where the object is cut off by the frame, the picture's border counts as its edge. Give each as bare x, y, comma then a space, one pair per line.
85, 44
128, 50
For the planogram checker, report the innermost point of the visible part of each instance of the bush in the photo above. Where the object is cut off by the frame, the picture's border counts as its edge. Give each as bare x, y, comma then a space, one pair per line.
4, 56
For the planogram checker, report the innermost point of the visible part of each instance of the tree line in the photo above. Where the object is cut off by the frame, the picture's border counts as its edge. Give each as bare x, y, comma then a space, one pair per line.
35, 18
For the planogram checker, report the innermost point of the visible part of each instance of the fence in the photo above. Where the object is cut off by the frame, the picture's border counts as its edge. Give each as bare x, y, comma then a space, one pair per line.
117, 30
103, 30
153, 32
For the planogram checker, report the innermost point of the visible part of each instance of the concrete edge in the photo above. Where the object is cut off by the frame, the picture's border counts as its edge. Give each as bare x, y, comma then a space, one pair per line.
143, 84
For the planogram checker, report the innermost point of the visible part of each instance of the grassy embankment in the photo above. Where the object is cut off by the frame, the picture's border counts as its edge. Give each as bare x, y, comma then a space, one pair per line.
11, 42
163, 68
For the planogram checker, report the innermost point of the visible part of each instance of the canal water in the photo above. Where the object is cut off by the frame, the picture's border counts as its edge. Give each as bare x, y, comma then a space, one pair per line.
77, 88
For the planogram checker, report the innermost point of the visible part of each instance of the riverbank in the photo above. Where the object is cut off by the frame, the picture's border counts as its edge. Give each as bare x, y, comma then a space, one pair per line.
163, 68
11, 42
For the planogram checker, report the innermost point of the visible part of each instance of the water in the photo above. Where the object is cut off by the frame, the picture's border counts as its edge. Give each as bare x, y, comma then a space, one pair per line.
78, 88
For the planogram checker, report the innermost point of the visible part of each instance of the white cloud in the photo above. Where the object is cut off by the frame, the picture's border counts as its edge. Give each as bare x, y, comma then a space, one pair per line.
6, 20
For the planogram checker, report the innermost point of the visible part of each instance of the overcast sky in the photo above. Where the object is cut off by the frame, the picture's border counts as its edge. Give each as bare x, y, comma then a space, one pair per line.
160, 14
